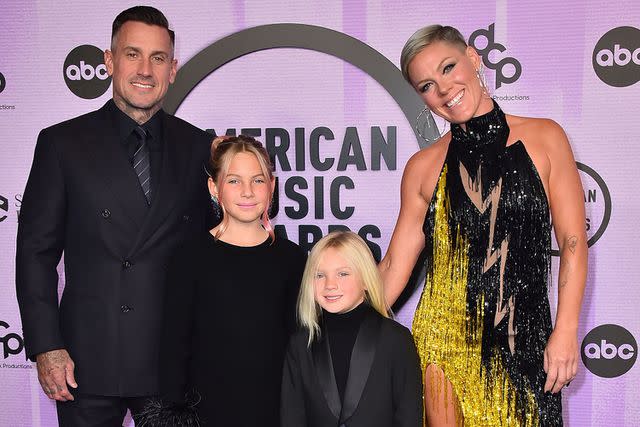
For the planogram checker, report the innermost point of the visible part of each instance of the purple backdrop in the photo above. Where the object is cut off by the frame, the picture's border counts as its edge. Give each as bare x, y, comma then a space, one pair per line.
545, 69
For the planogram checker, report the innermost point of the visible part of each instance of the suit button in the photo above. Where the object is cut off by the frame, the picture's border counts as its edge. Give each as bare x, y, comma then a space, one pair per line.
126, 264
185, 218
125, 308
106, 213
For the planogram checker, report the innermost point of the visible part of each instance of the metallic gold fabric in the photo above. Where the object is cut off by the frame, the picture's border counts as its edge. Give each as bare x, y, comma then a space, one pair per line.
446, 340
484, 316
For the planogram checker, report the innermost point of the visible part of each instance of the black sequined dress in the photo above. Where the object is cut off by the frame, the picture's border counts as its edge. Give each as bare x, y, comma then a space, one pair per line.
484, 315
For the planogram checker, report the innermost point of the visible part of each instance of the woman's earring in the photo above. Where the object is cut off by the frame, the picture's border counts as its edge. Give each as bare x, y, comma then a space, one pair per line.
483, 80
426, 125
216, 206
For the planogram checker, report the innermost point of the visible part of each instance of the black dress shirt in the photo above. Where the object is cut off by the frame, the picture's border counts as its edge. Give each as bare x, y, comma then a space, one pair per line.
125, 126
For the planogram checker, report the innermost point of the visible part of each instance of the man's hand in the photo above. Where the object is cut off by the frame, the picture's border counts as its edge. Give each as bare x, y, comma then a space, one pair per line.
55, 371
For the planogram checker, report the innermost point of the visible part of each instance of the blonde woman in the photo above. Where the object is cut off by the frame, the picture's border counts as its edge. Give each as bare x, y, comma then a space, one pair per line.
479, 200
350, 364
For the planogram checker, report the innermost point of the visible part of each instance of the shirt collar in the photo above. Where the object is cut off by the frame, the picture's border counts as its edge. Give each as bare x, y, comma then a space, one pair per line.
125, 124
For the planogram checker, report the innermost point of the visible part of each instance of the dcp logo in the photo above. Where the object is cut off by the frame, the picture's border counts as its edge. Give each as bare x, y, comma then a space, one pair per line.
85, 73
609, 351
616, 57
11, 343
489, 35
4, 206
3, 82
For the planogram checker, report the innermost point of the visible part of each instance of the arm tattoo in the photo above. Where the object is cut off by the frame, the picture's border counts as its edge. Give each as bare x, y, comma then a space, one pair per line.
565, 265
563, 275
572, 242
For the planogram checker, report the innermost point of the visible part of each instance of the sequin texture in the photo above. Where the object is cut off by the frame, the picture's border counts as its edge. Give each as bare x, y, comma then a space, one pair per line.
484, 317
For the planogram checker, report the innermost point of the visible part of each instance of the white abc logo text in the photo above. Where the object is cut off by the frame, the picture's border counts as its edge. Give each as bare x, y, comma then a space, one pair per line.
616, 57
86, 72
608, 351
621, 56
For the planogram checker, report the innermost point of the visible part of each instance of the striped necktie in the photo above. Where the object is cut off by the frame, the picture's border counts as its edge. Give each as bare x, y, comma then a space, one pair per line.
141, 163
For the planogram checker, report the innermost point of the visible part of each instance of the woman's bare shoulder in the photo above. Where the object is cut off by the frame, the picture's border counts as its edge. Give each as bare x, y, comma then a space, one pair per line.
423, 168
534, 129
429, 158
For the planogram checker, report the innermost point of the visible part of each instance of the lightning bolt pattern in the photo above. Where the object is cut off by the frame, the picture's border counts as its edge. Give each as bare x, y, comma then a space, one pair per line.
484, 318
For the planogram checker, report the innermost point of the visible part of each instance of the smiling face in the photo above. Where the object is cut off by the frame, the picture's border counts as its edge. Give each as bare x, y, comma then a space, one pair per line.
338, 287
245, 191
445, 77
142, 66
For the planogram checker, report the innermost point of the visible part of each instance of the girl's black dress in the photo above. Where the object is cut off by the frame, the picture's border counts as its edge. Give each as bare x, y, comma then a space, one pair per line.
228, 314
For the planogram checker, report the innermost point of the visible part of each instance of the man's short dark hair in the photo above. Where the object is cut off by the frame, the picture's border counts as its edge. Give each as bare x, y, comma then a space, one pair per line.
145, 14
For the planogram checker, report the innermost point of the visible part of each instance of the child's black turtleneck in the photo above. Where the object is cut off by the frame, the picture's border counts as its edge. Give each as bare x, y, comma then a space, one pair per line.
342, 330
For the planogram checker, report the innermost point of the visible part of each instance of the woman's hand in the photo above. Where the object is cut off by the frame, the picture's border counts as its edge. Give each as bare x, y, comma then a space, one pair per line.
560, 359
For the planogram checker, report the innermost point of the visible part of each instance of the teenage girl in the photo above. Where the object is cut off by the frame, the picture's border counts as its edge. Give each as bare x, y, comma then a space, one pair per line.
230, 302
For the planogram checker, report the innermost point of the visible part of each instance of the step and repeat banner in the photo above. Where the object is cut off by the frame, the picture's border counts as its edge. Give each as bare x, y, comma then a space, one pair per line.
318, 83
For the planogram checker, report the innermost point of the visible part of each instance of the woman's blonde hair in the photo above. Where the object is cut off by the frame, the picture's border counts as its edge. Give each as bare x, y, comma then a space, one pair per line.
356, 252
223, 150
423, 38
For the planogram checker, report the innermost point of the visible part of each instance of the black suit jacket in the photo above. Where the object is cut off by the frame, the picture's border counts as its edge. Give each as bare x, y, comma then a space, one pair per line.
384, 386
83, 198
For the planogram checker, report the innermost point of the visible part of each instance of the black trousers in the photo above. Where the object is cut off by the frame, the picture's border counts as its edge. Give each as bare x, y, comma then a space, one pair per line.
97, 411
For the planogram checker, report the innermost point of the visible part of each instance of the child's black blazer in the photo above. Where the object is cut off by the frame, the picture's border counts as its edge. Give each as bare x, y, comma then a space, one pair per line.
384, 387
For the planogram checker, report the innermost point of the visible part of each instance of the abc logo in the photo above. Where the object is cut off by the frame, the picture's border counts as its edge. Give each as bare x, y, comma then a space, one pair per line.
3, 82
616, 57
609, 351
85, 73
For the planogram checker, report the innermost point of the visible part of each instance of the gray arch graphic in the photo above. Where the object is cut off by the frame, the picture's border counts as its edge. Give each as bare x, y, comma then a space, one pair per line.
299, 36
607, 205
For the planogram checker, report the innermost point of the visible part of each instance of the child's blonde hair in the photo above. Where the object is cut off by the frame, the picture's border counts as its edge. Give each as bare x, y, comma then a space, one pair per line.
223, 150
356, 252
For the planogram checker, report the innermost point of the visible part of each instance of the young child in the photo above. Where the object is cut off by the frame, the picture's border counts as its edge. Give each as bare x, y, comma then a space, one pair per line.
350, 365
230, 303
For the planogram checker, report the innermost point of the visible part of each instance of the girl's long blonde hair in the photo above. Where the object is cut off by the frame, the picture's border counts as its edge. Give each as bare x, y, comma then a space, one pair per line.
223, 150
356, 252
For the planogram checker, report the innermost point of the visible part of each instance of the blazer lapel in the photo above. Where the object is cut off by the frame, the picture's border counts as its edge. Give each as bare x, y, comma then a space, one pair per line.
326, 376
362, 355
174, 169
113, 168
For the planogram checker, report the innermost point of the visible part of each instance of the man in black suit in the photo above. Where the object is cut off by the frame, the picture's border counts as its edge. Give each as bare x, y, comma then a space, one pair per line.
116, 190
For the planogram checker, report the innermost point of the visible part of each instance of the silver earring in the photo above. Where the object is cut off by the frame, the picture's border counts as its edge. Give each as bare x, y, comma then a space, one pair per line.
483, 80
216, 206
429, 126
